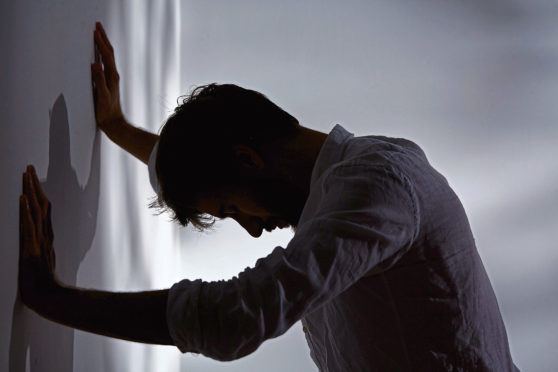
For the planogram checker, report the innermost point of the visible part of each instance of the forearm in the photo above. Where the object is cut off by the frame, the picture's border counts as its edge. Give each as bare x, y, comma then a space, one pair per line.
132, 316
134, 140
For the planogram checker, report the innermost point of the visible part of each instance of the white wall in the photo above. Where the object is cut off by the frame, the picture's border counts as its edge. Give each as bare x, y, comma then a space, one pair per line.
475, 85
47, 120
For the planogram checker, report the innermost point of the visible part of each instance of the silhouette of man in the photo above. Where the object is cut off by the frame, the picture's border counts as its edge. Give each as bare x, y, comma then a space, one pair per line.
382, 270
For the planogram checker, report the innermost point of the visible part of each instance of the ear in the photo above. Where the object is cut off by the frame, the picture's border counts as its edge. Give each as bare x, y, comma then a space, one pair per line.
248, 157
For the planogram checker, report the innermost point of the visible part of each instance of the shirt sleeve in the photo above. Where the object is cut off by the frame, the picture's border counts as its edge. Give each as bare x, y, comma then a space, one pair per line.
151, 168
367, 215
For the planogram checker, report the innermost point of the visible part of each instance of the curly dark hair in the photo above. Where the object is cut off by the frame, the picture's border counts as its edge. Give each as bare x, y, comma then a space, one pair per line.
195, 155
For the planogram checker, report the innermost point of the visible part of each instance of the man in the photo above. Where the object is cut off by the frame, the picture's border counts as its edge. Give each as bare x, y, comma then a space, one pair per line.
382, 270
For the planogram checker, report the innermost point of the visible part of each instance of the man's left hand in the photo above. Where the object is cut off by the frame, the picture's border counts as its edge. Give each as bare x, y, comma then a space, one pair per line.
36, 254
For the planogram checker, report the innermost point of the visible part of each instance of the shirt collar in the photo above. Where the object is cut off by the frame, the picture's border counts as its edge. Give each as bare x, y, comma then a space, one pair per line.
331, 152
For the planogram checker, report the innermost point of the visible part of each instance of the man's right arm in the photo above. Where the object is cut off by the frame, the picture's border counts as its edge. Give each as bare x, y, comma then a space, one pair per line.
108, 112
134, 140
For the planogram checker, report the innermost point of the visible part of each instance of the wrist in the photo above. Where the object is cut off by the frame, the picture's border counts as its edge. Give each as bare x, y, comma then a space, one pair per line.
42, 297
112, 123
116, 128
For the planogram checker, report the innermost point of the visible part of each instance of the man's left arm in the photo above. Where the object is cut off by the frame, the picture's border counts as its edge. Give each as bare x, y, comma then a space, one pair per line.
132, 316
367, 218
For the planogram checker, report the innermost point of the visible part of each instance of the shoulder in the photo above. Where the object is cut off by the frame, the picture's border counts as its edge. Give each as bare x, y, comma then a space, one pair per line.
365, 175
370, 183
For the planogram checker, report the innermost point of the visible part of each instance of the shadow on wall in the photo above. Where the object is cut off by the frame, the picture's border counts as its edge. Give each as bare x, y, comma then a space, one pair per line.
74, 217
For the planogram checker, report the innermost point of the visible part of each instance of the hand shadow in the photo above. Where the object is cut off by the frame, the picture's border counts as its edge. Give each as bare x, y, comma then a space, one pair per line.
74, 219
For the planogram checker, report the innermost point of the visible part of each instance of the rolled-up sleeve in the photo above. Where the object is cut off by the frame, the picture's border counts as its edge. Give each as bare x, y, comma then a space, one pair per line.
367, 215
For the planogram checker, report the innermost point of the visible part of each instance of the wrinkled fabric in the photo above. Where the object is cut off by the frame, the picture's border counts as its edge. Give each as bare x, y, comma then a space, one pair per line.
382, 271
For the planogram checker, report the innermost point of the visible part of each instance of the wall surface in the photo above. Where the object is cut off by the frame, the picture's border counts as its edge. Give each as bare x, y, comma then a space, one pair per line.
473, 83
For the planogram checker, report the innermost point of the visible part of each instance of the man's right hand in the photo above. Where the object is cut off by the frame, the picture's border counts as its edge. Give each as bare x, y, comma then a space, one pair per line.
106, 94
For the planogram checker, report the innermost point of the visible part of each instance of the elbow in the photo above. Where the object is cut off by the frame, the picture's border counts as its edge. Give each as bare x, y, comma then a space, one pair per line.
227, 350
236, 338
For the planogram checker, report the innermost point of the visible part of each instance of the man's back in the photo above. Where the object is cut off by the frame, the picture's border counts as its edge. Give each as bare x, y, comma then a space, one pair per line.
426, 306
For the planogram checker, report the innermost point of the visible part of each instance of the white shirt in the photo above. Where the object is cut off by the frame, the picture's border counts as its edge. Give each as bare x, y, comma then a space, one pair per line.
382, 271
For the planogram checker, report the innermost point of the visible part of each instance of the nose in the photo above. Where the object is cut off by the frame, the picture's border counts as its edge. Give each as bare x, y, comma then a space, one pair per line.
253, 225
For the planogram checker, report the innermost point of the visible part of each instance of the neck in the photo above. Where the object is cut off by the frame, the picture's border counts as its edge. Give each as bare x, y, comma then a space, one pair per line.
298, 157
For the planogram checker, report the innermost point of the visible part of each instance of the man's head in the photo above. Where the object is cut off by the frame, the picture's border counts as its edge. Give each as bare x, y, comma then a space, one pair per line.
218, 156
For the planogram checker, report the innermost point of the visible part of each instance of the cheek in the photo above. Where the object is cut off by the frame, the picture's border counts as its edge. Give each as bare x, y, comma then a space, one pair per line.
266, 205
266, 198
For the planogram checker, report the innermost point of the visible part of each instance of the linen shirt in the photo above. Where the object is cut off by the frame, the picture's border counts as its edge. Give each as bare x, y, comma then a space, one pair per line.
382, 271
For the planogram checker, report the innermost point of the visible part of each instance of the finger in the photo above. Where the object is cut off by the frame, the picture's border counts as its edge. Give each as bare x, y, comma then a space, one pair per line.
21, 214
44, 205
104, 48
107, 56
49, 231
27, 190
51, 256
36, 212
28, 244
41, 197
93, 88
99, 80
97, 54
34, 206
93, 85
104, 35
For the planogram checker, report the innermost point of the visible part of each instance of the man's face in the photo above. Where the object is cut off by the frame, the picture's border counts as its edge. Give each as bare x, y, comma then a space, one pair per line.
259, 205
